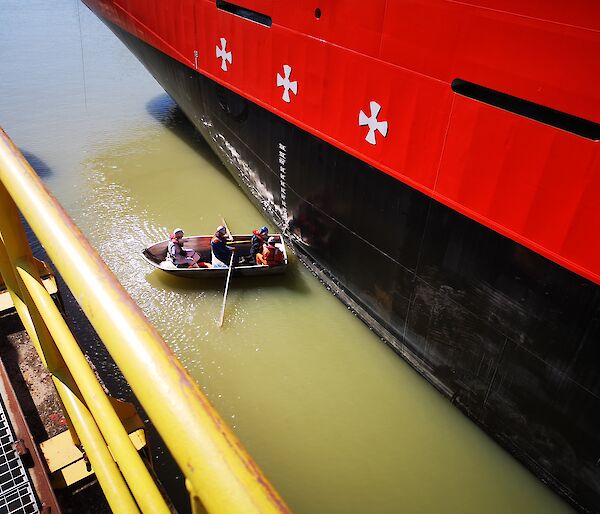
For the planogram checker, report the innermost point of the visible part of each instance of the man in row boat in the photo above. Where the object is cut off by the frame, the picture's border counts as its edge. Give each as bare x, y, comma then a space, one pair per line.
221, 253
180, 256
271, 255
259, 239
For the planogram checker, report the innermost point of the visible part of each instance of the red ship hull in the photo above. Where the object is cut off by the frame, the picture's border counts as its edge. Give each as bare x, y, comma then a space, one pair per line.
452, 146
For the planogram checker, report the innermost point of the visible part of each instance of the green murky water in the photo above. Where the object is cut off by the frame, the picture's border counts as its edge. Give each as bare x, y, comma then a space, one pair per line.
335, 419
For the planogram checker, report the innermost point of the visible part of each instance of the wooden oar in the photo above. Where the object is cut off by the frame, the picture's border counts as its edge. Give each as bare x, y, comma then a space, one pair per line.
229, 236
226, 289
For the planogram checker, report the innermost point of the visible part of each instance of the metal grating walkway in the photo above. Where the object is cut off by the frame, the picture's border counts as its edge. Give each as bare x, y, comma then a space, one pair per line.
16, 491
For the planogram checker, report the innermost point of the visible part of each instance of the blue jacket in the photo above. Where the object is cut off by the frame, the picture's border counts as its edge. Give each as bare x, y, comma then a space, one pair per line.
220, 250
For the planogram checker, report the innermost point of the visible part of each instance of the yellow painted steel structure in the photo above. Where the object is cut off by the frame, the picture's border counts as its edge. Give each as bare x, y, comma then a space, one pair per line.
220, 474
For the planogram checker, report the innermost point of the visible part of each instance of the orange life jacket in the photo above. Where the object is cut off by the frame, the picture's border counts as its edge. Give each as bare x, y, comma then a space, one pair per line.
273, 255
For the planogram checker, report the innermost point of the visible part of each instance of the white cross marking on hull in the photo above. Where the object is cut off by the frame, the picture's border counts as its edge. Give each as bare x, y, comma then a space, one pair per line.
372, 123
286, 83
222, 54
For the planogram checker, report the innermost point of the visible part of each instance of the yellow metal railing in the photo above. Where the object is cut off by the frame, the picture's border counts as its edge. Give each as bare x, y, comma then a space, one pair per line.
220, 475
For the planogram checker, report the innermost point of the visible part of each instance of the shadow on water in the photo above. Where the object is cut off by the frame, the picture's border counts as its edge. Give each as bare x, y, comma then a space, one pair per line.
164, 110
40, 167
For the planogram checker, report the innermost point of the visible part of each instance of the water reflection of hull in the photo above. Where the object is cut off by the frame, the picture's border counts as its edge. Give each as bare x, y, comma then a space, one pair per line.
505, 332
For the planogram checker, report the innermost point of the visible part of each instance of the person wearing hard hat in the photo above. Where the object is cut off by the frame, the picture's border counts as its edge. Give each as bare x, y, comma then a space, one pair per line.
259, 239
271, 255
180, 256
221, 253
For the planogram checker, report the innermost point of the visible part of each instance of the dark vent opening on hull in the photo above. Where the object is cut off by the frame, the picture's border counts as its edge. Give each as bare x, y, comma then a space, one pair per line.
552, 117
238, 10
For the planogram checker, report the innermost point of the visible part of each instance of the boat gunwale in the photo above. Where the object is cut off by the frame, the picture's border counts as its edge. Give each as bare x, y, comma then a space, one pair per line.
242, 270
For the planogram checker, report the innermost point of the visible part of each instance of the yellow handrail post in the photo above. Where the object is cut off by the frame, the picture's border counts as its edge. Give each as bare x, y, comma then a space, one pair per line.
106, 470
14, 246
136, 474
17, 248
116, 490
7, 272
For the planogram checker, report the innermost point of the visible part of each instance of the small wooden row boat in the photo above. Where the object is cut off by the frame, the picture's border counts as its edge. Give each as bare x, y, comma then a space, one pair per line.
156, 255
